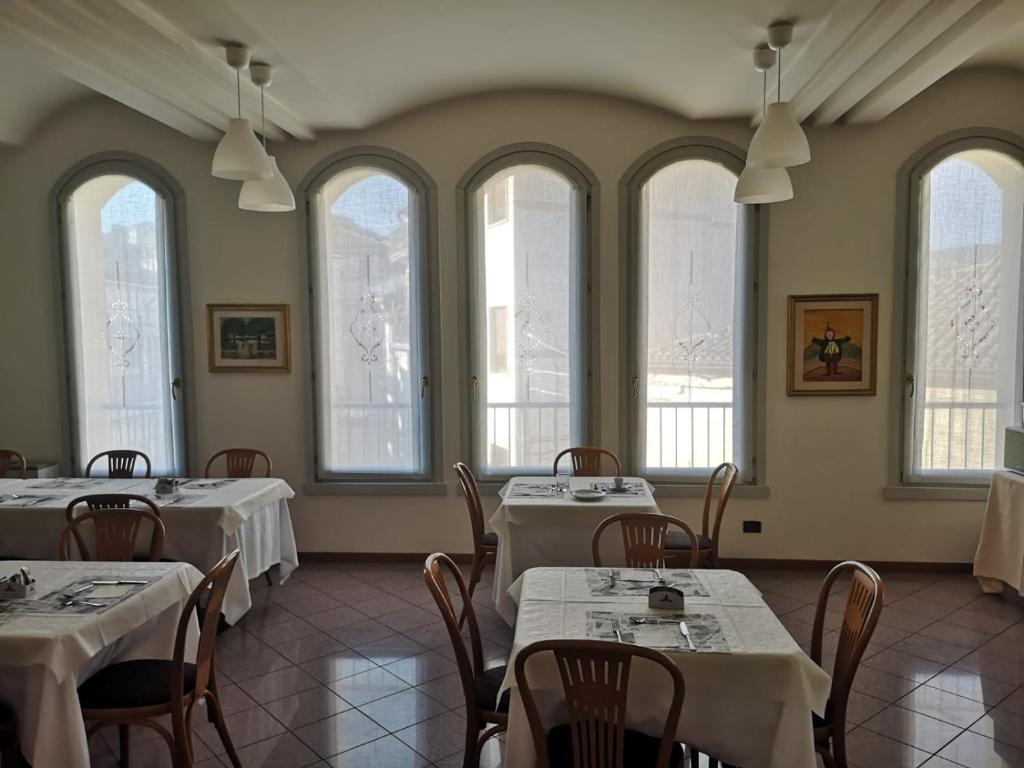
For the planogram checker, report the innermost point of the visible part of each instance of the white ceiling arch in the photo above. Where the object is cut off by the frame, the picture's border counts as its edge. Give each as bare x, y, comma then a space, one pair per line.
348, 65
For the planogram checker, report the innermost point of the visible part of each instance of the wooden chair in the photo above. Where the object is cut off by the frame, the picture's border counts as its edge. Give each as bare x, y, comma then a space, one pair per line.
595, 679
479, 686
10, 751
116, 533
138, 692
240, 462
120, 463
643, 539
7, 459
707, 542
863, 607
485, 543
586, 462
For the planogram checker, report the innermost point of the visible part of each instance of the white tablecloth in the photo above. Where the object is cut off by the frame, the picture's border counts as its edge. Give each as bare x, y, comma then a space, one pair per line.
203, 524
43, 658
1000, 556
750, 707
556, 530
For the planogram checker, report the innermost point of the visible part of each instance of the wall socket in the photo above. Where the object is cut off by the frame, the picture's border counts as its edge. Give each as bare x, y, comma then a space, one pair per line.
751, 526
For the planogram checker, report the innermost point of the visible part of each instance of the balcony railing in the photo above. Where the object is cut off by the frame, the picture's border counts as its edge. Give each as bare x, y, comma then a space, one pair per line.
526, 434
958, 435
689, 435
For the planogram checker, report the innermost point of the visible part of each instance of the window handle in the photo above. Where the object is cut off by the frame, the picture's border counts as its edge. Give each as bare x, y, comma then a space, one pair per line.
474, 386
636, 387
175, 386
912, 383
424, 384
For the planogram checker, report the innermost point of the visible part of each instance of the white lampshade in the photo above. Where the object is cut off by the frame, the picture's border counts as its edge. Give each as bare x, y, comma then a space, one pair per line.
239, 156
267, 195
763, 185
779, 141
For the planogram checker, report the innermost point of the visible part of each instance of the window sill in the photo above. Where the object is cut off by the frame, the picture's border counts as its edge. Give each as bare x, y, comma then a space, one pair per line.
375, 488
933, 493
671, 490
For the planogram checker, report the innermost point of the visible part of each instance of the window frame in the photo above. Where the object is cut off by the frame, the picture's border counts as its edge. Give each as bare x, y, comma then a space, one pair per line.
431, 427
471, 362
177, 288
753, 225
904, 357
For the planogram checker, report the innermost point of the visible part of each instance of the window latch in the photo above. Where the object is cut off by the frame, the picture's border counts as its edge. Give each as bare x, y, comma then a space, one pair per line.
175, 386
474, 386
912, 384
636, 387
424, 384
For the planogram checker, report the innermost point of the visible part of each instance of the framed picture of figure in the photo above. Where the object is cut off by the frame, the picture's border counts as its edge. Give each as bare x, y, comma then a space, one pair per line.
248, 338
832, 347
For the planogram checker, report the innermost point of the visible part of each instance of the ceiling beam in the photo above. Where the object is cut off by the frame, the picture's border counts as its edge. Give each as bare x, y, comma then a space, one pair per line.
986, 21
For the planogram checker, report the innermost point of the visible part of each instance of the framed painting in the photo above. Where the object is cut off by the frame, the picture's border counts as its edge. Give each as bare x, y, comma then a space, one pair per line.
248, 338
832, 347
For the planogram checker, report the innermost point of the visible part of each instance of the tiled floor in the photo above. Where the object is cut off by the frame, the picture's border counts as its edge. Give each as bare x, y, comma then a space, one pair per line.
348, 665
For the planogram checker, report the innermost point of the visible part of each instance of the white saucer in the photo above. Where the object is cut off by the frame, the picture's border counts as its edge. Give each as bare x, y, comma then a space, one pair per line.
588, 494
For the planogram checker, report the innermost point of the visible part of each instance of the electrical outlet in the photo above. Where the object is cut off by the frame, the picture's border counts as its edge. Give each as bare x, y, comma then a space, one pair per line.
751, 526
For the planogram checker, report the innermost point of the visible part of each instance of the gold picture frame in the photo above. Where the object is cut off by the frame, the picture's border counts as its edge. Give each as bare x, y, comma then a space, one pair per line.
832, 347
248, 338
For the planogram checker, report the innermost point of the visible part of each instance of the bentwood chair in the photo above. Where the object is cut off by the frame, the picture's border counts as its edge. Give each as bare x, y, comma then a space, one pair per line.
139, 692
863, 607
485, 543
240, 462
479, 686
122, 502
707, 542
595, 680
586, 462
120, 463
12, 460
116, 532
643, 539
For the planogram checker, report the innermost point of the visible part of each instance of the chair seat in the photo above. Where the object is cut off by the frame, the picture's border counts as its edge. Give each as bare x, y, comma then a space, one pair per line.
486, 687
640, 750
131, 684
489, 539
681, 540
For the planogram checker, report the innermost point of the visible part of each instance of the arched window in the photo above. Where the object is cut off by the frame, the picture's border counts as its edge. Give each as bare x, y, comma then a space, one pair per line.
369, 283
121, 315
528, 234
964, 308
690, 352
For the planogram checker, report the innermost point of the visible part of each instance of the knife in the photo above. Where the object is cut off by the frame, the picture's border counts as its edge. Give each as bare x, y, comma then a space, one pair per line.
686, 633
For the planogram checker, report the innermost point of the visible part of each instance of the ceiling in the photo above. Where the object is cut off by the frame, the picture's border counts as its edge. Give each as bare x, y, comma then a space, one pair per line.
347, 64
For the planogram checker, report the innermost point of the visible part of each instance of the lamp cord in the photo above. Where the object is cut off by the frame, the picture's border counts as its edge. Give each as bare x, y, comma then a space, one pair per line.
778, 87
238, 90
263, 121
764, 94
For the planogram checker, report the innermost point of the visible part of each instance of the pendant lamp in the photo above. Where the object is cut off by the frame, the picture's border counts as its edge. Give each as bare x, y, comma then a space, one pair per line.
763, 185
239, 156
779, 142
268, 195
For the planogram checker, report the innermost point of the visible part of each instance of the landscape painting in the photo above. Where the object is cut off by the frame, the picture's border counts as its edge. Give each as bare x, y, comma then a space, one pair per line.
832, 342
248, 337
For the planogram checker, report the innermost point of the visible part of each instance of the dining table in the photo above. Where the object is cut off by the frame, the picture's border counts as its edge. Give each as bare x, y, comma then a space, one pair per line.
540, 521
205, 519
750, 689
67, 628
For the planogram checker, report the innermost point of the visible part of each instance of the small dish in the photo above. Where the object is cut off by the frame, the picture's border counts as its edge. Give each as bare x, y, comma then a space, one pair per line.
588, 494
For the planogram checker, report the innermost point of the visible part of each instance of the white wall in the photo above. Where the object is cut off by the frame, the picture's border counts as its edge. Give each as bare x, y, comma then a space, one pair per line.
826, 459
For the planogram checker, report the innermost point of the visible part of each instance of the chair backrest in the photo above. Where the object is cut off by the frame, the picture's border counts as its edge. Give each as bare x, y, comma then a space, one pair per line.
116, 531
473, 504
470, 660
96, 502
863, 607
240, 461
725, 486
586, 461
216, 583
595, 679
120, 463
643, 539
7, 458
